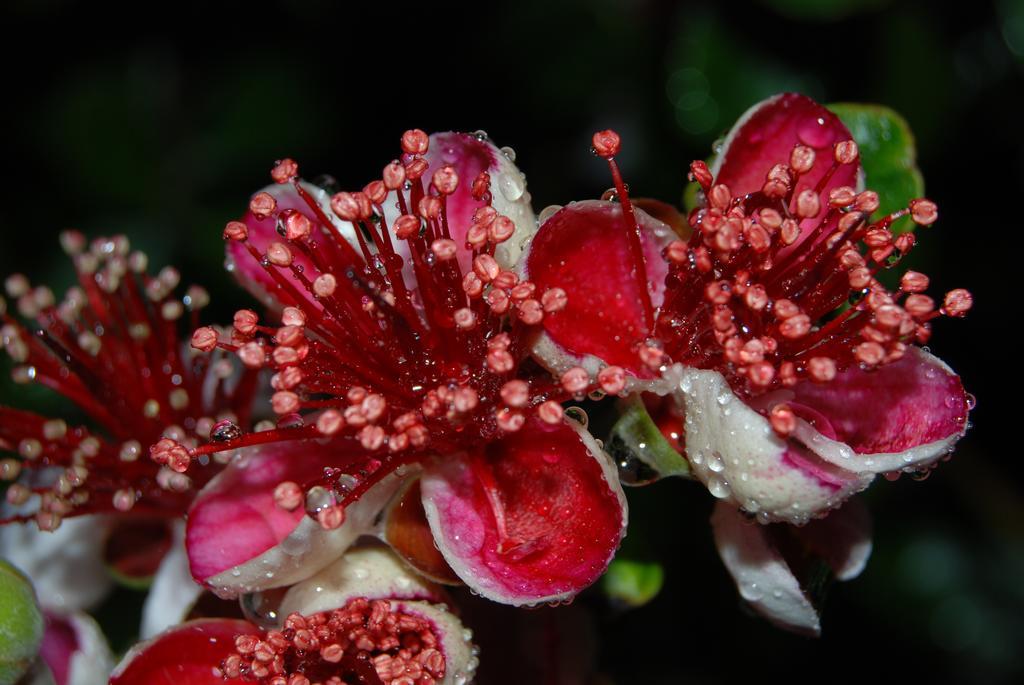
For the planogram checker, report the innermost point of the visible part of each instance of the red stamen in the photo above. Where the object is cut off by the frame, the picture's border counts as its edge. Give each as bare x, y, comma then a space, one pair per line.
112, 346
445, 348
757, 293
362, 642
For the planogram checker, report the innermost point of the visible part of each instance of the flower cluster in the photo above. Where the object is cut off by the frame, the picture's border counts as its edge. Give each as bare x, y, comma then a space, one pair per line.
424, 341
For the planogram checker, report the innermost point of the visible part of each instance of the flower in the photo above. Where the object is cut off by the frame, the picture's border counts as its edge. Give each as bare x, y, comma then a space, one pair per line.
364, 618
402, 352
111, 347
795, 371
83, 507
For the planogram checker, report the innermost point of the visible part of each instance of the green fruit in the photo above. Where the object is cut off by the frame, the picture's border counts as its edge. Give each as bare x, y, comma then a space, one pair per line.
21, 624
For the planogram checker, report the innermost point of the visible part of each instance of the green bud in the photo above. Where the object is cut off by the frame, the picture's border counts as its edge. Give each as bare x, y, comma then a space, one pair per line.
633, 583
21, 624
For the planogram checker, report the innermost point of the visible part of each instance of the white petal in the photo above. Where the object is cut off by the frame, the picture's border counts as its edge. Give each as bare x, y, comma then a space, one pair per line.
66, 565
93, 662
736, 454
173, 592
762, 576
842, 539
371, 572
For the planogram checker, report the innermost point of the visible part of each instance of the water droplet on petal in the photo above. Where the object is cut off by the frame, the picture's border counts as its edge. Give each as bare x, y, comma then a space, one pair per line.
813, 131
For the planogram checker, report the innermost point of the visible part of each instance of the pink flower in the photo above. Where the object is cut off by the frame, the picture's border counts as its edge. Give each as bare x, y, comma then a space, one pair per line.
785, 400
111, 347
399, 340
790, 404
364, 619
84, 504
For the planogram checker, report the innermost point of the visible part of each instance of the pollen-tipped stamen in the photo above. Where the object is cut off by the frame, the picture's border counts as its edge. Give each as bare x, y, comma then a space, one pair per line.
364, 641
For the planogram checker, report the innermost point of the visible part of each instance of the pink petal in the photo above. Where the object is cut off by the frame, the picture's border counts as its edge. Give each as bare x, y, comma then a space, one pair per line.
239, 540
733, 450
535, 518
470, 155
903, 416
766, 134
189, 654
765, 579
75, 650
583, 249
262, 232
408, 533
906, 413
59, 644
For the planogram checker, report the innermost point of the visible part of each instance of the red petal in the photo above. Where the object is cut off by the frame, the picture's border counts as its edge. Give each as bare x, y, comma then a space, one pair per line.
766, 134
239, 540
911, 402
187, 655
537, 517
262, 232
583, 249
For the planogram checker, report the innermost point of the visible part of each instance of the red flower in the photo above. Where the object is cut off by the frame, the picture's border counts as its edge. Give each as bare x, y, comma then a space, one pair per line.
364, 619
400, 349
789, 402
112, 347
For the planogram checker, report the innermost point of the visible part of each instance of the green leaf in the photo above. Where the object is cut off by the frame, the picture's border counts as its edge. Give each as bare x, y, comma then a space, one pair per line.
640, 450
888, 155
633, 583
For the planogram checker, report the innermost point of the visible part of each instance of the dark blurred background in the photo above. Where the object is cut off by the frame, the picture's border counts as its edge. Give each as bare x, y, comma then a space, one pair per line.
160, 125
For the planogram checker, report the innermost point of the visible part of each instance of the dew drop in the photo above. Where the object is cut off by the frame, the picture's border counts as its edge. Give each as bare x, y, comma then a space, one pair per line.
715, 462
261, 607
751, 591
511, 186
317, 499
718, 487
225, 431
578, 415
813, 131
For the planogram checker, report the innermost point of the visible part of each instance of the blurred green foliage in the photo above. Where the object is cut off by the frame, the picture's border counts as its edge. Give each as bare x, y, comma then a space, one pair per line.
161, 130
